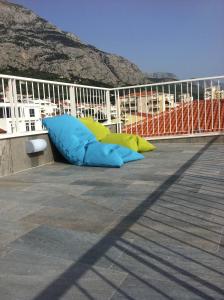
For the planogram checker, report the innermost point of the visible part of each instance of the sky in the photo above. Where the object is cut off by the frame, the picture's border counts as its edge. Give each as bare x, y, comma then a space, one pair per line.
184, 37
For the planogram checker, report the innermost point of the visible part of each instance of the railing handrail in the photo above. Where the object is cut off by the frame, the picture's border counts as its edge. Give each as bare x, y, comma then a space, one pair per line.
109, 89
97, 102
167, 82
51, 82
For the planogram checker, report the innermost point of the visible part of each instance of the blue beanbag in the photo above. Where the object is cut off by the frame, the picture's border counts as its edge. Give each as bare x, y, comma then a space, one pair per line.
79, 146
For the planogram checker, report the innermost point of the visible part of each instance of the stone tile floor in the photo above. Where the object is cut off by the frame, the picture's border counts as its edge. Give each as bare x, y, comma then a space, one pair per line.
150, 230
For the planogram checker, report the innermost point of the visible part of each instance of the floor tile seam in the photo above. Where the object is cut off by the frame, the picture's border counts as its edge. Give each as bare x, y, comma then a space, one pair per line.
68, 261
194, 226
90, 201
14, 248
120, 284
7, 244
202, 213
219, 243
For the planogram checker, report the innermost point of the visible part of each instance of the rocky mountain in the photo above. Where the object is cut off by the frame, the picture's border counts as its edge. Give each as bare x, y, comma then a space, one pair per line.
161, 75
31, 46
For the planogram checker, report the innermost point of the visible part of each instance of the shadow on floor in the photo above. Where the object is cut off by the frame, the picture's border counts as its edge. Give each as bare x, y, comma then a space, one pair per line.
73, 274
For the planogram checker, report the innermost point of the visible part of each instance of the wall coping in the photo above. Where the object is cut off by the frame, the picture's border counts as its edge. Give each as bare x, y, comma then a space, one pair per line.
16, 135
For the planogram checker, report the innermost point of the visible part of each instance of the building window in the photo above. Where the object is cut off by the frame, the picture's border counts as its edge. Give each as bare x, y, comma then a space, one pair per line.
32, 112
27, 126
8, 112
32, 126
19, 112
1, 113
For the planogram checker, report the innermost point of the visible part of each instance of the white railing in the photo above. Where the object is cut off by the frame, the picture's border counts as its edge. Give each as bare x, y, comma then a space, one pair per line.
25, 101
169, 108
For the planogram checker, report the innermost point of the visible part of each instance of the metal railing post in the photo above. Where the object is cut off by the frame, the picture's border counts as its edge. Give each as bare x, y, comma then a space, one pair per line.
118, 105
15, 100
21, 96
11, 96
108, 107
72, 101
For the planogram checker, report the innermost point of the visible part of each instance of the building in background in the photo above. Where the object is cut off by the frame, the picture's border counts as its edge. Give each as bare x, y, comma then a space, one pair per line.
213, 92
150, 102
26, 111
27, 114
185, 97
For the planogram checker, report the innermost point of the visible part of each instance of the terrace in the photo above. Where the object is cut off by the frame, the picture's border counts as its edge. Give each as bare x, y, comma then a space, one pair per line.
150, 230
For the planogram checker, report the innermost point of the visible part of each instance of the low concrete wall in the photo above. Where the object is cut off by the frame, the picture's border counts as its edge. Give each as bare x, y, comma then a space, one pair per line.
216, 139
13, 156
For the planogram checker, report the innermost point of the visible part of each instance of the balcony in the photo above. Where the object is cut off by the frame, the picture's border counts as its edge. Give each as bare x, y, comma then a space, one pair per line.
186, 107
150, 230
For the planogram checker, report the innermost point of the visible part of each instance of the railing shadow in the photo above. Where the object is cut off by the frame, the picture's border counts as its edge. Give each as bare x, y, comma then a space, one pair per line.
167, 274
181, 220
169, 249
182, 230
177, 195
183, 242
194, 208
189, 214
71, 277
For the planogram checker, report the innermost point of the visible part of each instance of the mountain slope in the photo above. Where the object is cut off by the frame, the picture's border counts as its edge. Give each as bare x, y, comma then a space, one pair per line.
30, 45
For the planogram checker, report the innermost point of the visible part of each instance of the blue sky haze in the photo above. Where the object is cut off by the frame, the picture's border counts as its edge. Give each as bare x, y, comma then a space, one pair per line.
185, 37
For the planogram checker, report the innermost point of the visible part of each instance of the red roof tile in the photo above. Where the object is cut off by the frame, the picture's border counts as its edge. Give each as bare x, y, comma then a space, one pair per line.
192, 117
2, 131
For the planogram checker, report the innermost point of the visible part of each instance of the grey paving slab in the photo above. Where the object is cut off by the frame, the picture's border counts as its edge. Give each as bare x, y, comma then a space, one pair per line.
197, 198
59, 188
29, 263
221, 246
17, 212
152, 229
145, 288
99, 183
28, 280
204, 213
180, 244
46, 256
186, 219
13, 185
83, 216
67, 244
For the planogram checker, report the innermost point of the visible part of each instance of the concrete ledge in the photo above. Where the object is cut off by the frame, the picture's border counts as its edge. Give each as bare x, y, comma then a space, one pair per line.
13, 156
29, 133
197, 139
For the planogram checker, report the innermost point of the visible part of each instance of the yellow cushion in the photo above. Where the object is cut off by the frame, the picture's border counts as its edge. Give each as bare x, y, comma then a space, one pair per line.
96, 128
103, 134
125, 140
131, 141
143, 145
87, 119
